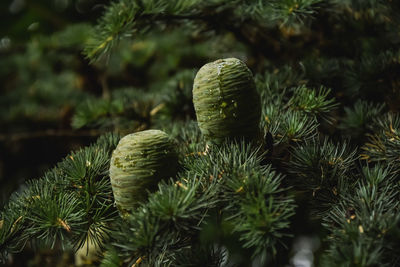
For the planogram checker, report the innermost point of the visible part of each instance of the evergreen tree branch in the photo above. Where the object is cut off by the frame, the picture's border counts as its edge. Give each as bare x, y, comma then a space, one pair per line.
126, 18
363, 222
68, 205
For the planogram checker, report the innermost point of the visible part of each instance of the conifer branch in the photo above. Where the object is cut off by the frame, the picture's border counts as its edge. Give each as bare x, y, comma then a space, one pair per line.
126, 19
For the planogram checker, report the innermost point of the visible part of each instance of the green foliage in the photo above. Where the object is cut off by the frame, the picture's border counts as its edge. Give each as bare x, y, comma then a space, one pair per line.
32, 92
375, 76
384, 143
125, 109
362, 223
177, 97
129, 109
127, 19
324, 170
255, 203
111, 258
52, 216
188, 137
160, 228
207, 255
69, 204
295, 126
323, 69
359, 119
279, 79
261, 216
287, 12
313, 102
121, 19
291, 115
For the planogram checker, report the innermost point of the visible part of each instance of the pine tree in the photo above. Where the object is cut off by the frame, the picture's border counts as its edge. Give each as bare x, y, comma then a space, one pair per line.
282, 150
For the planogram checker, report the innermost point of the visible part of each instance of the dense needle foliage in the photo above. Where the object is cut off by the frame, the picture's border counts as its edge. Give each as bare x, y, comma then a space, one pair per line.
321, 188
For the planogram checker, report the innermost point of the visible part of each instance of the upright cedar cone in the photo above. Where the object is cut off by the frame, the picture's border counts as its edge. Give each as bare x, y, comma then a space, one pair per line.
138, 163
226, 101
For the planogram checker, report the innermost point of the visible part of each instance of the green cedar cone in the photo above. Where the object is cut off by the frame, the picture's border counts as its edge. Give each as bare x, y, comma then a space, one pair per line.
226, 101
138, 163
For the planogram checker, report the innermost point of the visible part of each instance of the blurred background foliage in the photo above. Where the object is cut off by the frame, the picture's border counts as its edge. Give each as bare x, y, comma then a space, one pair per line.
43, 77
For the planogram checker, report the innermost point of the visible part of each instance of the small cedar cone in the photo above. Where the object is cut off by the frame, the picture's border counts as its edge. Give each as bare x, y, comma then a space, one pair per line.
138, 163
226, 101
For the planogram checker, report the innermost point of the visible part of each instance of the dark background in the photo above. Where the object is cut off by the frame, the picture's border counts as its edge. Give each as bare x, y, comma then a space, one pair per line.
32, 143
